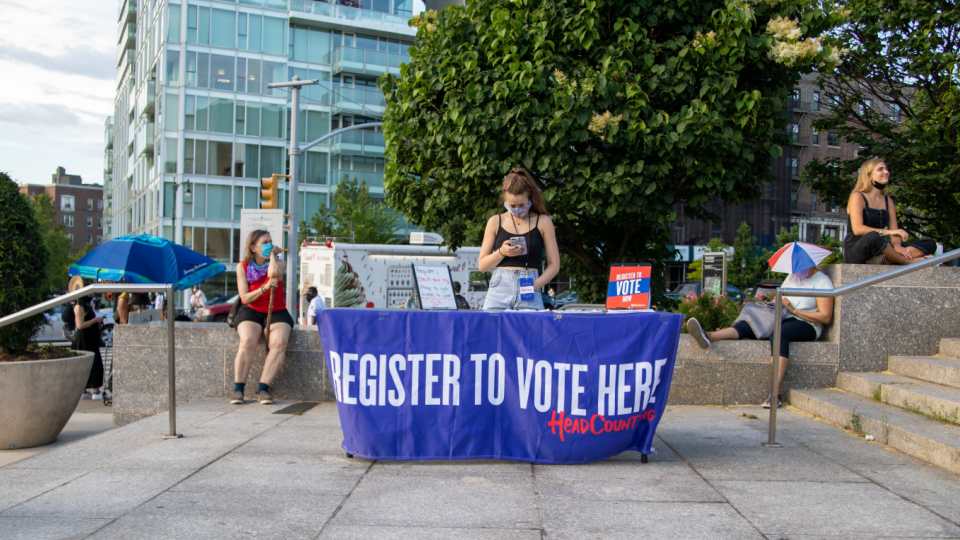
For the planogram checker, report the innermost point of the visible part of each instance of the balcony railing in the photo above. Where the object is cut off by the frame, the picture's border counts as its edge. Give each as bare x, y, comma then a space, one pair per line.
146, 98
360, 142
127, 11
366, 62
127, 38
358, 101
336, 11
373, 179
144, 139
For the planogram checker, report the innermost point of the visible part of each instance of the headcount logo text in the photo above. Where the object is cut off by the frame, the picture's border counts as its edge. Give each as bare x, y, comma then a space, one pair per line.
623, 391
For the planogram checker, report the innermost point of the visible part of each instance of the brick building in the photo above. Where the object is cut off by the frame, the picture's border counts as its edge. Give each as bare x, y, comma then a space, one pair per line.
79, 206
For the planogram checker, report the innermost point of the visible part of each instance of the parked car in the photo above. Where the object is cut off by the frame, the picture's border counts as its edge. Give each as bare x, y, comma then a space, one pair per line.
568, 297
694, 288
219, 300
766, 288
215, 312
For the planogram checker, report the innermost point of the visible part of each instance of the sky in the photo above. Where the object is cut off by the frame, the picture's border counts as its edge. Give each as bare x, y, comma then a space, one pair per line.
58, 66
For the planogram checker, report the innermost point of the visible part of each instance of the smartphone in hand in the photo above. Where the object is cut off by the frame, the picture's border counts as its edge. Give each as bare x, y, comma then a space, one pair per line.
521, 242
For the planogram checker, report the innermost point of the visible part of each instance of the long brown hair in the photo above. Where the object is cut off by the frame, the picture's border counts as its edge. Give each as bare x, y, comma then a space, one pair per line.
252, 239
520, 182
863, 181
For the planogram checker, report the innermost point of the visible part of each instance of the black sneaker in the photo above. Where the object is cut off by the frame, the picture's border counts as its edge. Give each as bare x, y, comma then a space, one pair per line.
766, 404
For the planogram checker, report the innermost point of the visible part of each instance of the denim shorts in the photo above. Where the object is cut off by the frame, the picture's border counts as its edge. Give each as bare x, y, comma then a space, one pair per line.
504, 291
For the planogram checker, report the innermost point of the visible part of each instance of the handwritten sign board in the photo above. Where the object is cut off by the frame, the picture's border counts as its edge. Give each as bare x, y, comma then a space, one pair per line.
434, 286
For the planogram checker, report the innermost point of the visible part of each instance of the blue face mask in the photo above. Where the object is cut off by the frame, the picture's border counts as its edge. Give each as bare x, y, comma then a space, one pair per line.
265, 250
519, 212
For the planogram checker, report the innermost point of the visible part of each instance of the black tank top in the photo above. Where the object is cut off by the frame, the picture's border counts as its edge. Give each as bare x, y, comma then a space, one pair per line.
875, 218
534, 257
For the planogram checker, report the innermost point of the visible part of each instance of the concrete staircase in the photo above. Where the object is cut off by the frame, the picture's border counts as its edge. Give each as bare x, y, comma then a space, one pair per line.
913, 407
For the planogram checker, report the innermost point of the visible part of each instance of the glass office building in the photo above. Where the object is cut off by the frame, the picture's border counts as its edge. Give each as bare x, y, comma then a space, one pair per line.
195, 126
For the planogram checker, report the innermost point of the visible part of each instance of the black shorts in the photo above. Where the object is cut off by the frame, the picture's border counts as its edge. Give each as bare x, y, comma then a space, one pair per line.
791, 330
247, 313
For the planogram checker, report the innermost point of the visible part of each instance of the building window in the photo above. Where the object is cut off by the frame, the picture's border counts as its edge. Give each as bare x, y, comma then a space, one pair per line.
67, 220
99, 223
813, 202
794, 167
89, 239
794, 131
833, 139
70, 236
830, 232
89, 222
834, 100
816, 101
864, 107
99, 204
66, 203
793, 200
795, 98
894, 112
89, 204
816, 136
99, 239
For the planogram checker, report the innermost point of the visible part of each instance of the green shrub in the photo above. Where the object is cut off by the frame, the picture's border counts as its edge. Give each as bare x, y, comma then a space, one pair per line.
711, 311
23, 267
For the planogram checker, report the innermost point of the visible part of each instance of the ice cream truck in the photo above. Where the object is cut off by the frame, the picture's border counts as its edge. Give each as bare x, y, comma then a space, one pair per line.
380, 275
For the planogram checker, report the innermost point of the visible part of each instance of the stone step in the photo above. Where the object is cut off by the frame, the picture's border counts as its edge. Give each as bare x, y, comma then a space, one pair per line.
950, 347
914, 395
936, 369
910, 433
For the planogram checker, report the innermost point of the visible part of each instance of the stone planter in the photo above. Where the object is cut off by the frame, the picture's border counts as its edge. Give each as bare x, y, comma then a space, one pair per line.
38, 397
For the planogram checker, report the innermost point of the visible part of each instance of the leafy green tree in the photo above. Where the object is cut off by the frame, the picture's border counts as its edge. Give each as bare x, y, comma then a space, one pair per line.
354, 215
59, 245
745, 249
23, 267
903, 59
620, 109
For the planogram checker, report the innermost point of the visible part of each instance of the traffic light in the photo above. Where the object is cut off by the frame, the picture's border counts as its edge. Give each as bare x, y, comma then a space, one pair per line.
271, 191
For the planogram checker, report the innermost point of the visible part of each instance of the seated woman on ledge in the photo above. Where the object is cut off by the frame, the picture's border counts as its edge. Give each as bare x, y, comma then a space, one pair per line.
803, 320
872, 215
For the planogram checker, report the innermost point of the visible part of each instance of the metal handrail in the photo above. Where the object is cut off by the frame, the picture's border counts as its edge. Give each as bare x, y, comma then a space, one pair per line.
130, 288
831, 293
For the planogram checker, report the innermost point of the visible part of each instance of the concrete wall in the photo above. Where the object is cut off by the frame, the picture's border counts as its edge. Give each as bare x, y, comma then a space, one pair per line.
205, 356
904, 316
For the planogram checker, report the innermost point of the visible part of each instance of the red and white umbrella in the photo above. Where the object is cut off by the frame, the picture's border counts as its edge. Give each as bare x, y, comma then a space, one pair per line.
797, 256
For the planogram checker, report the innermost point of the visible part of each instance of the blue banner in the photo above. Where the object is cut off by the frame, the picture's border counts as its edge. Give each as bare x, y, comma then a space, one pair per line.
526, 386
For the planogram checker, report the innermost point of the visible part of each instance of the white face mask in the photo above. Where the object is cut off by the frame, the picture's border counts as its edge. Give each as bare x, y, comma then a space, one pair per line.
519, 212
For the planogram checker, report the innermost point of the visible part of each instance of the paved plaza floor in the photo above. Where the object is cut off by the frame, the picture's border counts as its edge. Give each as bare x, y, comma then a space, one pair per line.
244, 472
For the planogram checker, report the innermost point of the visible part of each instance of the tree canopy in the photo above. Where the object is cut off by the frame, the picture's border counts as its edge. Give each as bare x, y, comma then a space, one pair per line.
23, 267
897, 95
620, 109
353, 215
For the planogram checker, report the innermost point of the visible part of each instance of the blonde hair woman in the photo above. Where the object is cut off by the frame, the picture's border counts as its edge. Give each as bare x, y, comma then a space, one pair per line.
260, 272
872, 216
516, 278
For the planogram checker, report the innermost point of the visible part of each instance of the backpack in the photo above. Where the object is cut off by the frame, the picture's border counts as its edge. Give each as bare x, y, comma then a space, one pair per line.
69, 319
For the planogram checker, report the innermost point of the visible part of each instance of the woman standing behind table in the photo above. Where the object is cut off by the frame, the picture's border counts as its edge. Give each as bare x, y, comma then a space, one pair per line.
88, 339
260, 272
516, 271
872, 215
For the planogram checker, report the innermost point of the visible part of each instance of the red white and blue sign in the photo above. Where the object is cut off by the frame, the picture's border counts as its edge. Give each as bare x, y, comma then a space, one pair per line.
527, 386
629, 286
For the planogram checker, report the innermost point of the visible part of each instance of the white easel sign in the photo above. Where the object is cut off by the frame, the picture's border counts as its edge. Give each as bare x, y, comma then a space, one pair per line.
434, 286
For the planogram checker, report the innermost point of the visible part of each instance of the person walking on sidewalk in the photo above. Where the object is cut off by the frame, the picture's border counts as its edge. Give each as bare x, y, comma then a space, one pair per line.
257, 275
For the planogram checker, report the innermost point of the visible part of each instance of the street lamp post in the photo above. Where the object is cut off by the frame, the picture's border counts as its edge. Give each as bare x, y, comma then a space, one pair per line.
178, 238
743, 272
